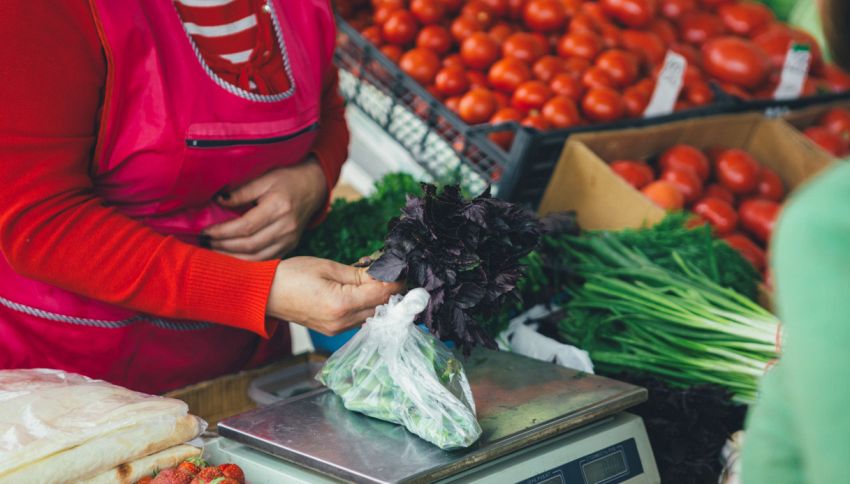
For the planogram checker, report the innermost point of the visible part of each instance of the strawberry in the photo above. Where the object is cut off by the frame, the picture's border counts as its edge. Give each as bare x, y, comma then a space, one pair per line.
209, 473
189, 467
145, 480
173, 476
232, 471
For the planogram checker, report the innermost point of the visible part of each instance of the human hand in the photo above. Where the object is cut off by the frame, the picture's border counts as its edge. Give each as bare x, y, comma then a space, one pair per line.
325, 296
286, 200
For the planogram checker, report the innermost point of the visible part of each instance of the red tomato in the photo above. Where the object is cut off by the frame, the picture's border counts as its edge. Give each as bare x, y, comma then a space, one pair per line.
536, 121
515, 8
575, 66
463, 27
420, 64
524, 47
393, 52
544, 15
477, 106
738, 171
770, 185
665, 195
531, 95
698, 27
561, 112
674, 9
737, 61
636, 173
699, 93
479, 51
508, 73
758, 217
596, 77
451, 6
400, 28
827, 140
685, 156
719, 213
453, 103
579, 44
453, 60
566, 85
719, 191
602, 104
581, 22
499, 7
632, 13
435, 38
664, 30
479, 11
777, 38
477, 79
451, 81
646, 86
504, 115
645, 44
547, 67
619, 65
748, 249
837, 120
383, 13
500, 32
636, 101
686, 181
745, 18
427, 11
713, 4
502, 99
373, 35
692, 55
838, 80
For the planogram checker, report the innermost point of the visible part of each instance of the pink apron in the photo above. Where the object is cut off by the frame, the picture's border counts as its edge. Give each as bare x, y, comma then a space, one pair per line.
172, 136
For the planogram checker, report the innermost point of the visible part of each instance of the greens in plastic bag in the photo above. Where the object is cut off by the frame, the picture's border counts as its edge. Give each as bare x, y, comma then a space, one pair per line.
393, 371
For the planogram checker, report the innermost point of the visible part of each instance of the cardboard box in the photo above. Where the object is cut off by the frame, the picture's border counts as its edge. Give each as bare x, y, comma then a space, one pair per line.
583, 182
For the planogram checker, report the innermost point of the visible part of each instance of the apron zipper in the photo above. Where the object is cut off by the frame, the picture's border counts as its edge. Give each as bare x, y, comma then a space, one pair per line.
220, 143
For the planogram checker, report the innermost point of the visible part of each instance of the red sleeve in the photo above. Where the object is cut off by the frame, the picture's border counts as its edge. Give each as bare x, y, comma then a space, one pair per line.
331, 145
52, 227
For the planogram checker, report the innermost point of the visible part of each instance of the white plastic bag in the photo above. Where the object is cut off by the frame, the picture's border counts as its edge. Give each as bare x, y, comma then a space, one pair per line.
394, 371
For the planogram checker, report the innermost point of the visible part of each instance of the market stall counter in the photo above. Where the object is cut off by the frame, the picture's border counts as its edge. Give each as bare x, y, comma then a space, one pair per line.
541, 423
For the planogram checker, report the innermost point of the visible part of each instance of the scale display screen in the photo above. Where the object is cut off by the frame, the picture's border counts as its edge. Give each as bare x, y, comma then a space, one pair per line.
617, 463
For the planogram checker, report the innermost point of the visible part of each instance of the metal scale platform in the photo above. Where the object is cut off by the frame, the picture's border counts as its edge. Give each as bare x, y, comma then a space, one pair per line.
543, 424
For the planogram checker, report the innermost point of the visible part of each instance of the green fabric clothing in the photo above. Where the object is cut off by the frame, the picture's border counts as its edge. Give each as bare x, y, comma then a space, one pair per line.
799, 431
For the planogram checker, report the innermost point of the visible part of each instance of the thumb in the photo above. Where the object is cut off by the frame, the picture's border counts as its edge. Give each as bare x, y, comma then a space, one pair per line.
349, 275
245, 194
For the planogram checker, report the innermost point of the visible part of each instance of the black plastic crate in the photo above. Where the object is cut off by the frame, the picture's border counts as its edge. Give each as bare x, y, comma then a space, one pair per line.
448, 148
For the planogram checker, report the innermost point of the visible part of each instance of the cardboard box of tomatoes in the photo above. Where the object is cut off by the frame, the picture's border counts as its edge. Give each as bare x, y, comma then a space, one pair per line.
826, 125
732, 171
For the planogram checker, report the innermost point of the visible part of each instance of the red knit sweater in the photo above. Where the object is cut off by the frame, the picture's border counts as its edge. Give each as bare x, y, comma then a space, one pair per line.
54, 229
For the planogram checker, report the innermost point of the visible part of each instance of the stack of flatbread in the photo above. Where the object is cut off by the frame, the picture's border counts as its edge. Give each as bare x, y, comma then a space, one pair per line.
61, 427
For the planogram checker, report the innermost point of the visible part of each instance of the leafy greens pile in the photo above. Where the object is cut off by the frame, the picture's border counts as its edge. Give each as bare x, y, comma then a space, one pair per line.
465, 253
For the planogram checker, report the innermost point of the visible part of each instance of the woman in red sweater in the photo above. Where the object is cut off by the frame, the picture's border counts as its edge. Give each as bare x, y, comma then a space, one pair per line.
157, 157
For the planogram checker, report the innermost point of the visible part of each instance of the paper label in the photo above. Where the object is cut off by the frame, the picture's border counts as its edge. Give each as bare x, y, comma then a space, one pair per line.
794, 72
669, 85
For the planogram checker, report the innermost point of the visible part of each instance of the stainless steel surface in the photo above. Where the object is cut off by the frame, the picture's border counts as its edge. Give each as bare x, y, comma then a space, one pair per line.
520, 402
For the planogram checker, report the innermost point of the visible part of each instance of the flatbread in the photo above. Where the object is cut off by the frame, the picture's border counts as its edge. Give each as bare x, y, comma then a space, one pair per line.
47, 412
133, 471
105, 452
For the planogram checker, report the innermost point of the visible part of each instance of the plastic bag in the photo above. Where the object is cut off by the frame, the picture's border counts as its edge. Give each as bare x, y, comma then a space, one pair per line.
62, 427
393, 371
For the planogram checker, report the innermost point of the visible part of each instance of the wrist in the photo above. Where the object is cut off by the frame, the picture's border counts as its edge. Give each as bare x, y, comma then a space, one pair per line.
276, 303
313, 170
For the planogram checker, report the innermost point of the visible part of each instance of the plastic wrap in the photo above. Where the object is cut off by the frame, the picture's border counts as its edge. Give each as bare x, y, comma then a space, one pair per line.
394, 371
62, 427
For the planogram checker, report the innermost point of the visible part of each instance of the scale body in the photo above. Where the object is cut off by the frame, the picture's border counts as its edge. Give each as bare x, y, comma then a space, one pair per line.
542, 424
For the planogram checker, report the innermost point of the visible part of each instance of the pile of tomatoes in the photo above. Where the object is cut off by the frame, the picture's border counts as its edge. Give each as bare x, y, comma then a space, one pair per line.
832, 132
561, 63
725, 187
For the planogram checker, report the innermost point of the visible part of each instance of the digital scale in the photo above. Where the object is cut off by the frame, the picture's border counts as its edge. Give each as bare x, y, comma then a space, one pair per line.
542, 424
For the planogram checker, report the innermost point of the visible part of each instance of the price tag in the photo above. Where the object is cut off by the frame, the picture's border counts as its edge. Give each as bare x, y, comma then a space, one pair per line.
794, 72
669, 85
